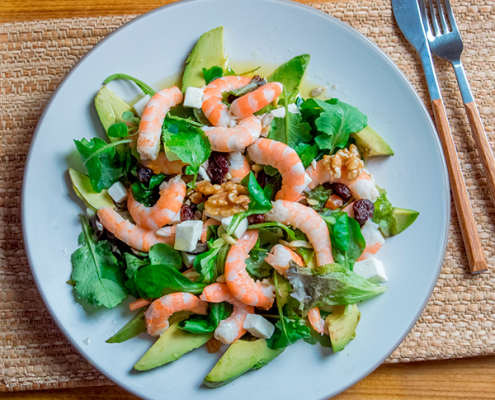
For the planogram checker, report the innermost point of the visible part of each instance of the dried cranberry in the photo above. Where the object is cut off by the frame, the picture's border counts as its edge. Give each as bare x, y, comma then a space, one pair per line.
256, 219
341, 190
231, 98
218, 167
144, 175
262, 178
186, 213
363, 210
256, 79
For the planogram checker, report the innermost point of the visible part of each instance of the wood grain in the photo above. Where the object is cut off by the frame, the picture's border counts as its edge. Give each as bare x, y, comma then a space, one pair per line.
472, 242
469, 378
482, 144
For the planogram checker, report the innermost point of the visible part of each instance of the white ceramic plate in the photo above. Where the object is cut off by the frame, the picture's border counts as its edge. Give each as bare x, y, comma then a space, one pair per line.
154, 46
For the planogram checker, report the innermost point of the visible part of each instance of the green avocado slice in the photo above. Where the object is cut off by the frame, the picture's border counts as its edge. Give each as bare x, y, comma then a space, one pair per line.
134, 327
83, 189
208, 52
403, 219
342, 326
371, 144
172, 345
110, 107
241, 357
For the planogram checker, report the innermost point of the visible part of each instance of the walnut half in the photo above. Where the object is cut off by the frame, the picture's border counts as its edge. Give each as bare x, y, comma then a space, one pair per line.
347, 159
226, 199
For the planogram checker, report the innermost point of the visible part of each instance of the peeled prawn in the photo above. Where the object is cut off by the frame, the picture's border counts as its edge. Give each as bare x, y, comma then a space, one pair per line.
150, 128
161, 310
135, 236
316, 321
237, 138
232, 328
280, 257
168, 205
213, 107
255, 100
239, 166
241, 285
288, 163
163, 166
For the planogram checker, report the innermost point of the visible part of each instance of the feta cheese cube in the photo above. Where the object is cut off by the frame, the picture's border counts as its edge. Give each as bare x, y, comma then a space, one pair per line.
118, 192
280, 112
241, 228
204, 174
258, 326
194, 97
141, 104
171, 156
371, 269
188, 258
187, 235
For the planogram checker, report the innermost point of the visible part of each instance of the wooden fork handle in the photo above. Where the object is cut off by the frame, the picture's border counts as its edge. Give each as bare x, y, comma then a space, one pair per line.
472, 242
482, 144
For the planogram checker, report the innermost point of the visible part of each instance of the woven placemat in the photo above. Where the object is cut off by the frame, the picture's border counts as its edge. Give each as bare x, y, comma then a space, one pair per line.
34, 58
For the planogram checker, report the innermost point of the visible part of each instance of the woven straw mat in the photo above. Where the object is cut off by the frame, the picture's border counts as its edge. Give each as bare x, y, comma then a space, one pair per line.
36, 56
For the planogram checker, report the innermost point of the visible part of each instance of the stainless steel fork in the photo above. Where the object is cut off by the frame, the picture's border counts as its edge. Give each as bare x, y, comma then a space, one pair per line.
446, 43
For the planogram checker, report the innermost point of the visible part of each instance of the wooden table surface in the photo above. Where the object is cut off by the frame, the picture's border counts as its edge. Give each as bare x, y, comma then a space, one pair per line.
453, 379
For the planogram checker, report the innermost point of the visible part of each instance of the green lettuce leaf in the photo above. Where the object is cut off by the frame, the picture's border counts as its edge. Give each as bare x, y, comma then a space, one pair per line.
384, 213
162, 253
291, 75
291, 130
331, 284
206, 324
307, 153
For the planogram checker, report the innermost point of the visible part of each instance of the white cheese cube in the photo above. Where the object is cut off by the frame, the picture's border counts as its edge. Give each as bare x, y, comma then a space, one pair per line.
280, 112
241, 228
187, 235
141, 104
171, 156
194, 97
188, 258
204, 174
371, 269
118, 192
258, 326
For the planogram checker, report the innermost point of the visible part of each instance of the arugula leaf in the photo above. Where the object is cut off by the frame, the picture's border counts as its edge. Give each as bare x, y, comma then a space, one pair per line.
295, 329
316, 337
162, 253
96, 273
202, 324
212, 73
143, 86
104, 164
291, 75
334, 120
148, 195
154, 281
307, 153
256, 264
291, 235
291, 130
320, 194
331, 284
384, 213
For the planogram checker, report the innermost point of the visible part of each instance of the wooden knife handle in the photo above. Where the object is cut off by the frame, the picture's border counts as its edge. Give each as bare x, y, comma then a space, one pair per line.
472, 242
482, 144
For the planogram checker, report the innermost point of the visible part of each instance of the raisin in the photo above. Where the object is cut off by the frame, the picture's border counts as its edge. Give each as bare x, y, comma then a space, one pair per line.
334, 202
341, 190
363, 210
262, 178
218, 167
232, 98
256, 219
213, 345
144, 175
186, 213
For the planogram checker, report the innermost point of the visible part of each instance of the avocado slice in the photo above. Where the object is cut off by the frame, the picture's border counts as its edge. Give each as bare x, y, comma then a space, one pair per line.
172, 345
371, 144
342, 326
82, 186
403, 219
241, 357
208, 52
110, 107
133, 328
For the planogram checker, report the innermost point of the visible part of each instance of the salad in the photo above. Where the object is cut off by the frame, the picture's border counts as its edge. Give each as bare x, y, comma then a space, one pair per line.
233, 212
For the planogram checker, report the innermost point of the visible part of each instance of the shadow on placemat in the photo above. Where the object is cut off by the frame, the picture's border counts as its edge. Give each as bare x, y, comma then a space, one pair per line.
36, 56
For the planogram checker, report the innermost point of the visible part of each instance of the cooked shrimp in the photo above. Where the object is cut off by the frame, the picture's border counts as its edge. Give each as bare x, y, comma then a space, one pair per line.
213, 107
168, 205
288, 163
280, 258
135, 236
241, 285
239, 166
256, 100
361, 188
237, 138
139, 303
232, 328
157, 315
163, 166
150, 128
206, 224
316, 321
373, 237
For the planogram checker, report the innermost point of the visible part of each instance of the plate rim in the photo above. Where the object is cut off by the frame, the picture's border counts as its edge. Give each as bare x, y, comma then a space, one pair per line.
351, 31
